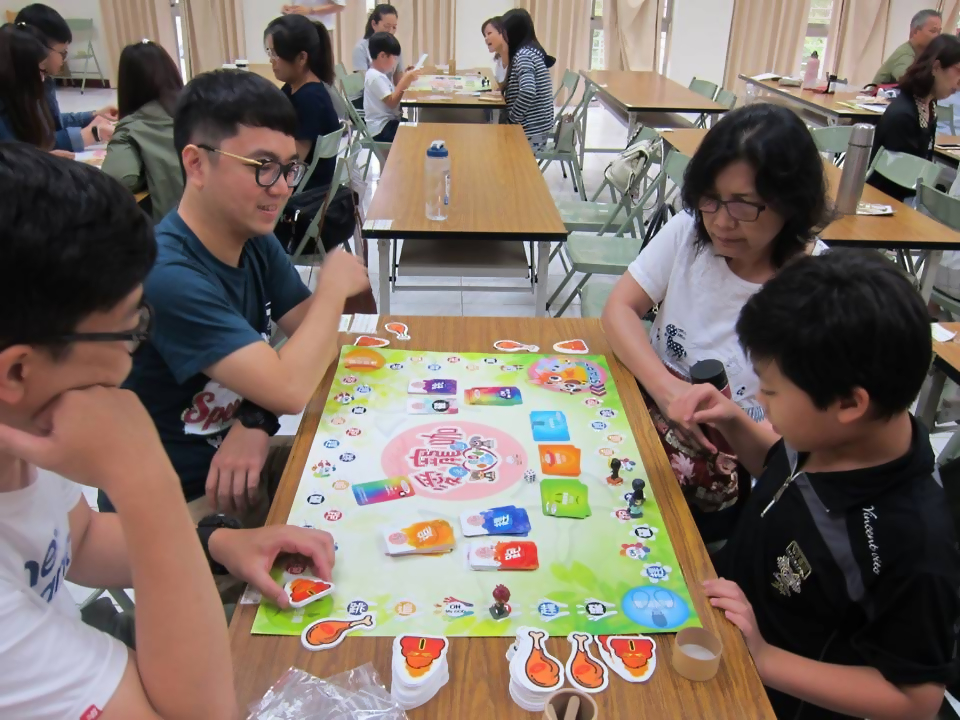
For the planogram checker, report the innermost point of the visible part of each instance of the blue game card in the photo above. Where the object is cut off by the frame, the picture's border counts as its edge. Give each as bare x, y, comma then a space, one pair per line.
506, 520
549, 426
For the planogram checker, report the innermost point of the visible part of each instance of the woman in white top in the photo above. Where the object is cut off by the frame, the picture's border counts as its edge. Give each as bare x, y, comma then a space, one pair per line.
754, 196
383, 18
494, 36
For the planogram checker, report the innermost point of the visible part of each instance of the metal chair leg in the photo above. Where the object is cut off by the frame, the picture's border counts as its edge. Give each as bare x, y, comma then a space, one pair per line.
576, 291
563, 284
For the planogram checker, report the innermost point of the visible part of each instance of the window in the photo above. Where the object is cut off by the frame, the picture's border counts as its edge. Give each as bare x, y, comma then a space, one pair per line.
818, 27
666, 21
178, 23
597, 56
371, 4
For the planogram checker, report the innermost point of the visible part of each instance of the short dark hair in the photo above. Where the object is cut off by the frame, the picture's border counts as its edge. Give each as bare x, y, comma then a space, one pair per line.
383, 42
918, 79
843, 320
294, 34
214, 105
72, 242
376, 15
497, 23
147, 73
789, 172
22, 90
46, 20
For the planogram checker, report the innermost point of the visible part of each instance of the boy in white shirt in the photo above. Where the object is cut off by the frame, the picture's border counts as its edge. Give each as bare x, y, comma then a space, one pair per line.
381, 99
74, 250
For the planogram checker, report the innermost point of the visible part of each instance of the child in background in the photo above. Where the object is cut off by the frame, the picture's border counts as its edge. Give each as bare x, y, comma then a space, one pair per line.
381, 99
843, 571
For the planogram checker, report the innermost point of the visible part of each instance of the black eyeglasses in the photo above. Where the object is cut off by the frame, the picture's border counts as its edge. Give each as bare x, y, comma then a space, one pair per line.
61, 53
133, 339
739, 210
268, 171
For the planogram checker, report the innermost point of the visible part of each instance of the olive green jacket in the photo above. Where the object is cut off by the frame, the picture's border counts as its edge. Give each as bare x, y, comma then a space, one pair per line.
896, 65
141, 155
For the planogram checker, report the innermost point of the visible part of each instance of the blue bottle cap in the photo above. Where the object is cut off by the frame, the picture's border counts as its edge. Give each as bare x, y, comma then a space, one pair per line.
438, 149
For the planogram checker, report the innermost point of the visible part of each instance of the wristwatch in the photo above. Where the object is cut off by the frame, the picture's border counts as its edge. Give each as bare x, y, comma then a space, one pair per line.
206, 527
96, 133
254, 417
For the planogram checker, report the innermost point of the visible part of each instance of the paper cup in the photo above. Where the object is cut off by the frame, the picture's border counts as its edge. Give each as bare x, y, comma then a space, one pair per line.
229, 66
242, 64
696, 654
560, 699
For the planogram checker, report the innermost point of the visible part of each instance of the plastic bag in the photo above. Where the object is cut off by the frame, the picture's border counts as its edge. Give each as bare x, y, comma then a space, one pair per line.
354, 695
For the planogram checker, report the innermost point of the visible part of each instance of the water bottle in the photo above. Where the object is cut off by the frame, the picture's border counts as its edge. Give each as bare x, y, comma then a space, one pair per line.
812, 72
436, 178
855, 168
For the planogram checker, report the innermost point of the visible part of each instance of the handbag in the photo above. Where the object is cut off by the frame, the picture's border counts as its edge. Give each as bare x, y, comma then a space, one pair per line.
629, 166
336, 226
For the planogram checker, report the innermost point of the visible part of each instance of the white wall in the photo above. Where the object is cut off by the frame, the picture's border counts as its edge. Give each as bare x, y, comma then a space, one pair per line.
471, 50
86, 9
257, 14
698, 42
898, 21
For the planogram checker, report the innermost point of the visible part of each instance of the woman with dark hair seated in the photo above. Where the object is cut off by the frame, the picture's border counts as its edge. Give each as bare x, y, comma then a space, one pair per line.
528, 88
909, 124
141, 154
754, 196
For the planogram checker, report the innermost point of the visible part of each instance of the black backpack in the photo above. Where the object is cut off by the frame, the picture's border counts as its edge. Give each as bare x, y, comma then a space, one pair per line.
336, 226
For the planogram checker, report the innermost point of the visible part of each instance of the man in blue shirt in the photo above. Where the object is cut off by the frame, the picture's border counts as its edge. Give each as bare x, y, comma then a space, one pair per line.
74, 131
221, 276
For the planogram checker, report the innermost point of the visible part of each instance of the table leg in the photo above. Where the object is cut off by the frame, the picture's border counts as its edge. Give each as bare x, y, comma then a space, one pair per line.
495, 116
383, 252
633, 124
543, 268
929, 398
929, 274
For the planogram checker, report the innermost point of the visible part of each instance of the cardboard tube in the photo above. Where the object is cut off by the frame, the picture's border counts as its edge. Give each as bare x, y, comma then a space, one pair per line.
557, 705
699, 665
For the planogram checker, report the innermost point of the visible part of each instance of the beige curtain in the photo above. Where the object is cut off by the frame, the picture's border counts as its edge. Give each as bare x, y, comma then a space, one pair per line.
131, 21
856, 43
427, 26
213, 33
631, 30
765, 36
563, 28
350, 24
950, 9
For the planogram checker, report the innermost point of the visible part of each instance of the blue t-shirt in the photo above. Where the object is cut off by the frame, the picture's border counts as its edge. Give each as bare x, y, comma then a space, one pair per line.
316, 116
204, 310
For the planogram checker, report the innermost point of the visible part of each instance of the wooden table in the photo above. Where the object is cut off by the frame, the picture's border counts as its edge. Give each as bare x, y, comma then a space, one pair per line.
906, 230
948, 156
498, 199
634, 92
831, 108
946, 364
265, 71
478, 670
455, 100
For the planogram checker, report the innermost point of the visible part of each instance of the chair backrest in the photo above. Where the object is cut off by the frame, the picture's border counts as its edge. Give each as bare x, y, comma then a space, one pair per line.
726, 98
348, 157
570, 82
904, 170
350, 83
674, 166
946, 114
327, 146
833, 139
940, 206
704, 87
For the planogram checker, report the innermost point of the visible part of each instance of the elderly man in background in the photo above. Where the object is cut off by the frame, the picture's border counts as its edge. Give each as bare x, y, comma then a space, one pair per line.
924, 27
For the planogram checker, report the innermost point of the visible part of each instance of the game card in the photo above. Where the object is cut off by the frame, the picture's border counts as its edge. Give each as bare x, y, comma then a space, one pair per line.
378, 491
432, 387
504, 555
560, 460
549, 426
429, 536
565, 498
506, 520
436, 406
493, 396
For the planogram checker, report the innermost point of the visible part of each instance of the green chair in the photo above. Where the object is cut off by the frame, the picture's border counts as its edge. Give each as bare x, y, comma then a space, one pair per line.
833, 140
351, 84
907, 171
562, 148
601, 255
84, 26
360, 133
945, 114
726, 98
327, 146
709, 91
593, 297
570, 83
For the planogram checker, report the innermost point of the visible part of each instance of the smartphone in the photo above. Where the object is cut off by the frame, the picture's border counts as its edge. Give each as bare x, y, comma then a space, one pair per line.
423, 59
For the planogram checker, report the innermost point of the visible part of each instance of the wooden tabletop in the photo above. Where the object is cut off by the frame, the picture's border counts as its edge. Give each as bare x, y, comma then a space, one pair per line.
479, 672
951, 154
906, 229
820, 102
947, 354
638, 91
497, 190
491, 100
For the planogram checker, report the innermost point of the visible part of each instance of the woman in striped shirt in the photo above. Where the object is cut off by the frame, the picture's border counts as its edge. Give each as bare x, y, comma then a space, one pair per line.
528, 89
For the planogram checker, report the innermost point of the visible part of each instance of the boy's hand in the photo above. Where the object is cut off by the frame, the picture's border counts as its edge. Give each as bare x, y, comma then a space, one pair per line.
250, 554
689, 433
97, 436
728, 596
233, 481
344, 273
407, 79
701, 404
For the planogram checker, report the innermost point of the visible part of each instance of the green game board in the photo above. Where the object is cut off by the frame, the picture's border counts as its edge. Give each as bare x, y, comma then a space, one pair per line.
606, 574
447, 83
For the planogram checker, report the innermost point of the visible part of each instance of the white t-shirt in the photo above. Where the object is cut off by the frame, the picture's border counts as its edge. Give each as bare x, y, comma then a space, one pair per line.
328, 19
52, 665
700, 300
499, 71
377, 86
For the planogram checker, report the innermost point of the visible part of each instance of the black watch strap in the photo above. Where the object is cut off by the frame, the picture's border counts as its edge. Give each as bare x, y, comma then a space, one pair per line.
254, 417
207, 527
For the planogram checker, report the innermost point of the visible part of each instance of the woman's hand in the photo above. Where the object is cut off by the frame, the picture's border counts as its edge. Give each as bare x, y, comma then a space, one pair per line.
674, 413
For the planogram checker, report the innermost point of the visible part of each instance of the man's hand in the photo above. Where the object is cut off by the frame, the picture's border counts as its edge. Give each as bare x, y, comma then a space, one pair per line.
250, 554
233, 482
344, 273
728, 596
110, 112
297, 10
94, 436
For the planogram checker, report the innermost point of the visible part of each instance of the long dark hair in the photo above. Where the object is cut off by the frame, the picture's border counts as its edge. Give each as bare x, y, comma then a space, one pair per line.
918, 79
789, 173
376, 15
497, 23
22, 50
519, 32
147, 73
294, 34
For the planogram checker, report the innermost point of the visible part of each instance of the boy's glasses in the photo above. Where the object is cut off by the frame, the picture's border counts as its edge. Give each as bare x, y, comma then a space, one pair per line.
739, 210
61, 53
133, 338
268, 171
